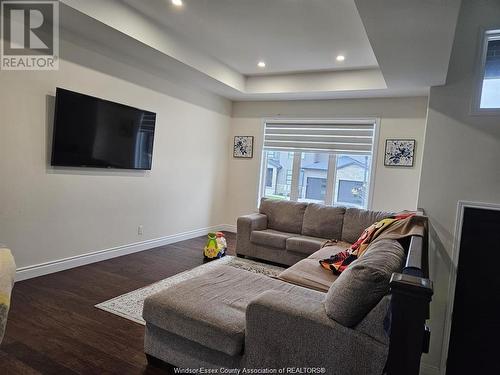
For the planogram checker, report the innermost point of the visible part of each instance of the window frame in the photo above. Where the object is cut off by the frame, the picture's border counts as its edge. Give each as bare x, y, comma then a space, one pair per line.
484, 38
330, 193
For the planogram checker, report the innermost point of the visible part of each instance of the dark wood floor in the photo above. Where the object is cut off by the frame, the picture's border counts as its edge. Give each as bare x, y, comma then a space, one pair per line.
54, 328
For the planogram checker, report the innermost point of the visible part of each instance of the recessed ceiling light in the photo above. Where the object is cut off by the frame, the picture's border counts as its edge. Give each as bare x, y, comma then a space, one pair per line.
177, 3
261, 64
340, 58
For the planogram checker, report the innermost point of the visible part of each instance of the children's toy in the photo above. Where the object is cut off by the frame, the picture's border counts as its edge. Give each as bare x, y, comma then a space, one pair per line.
216, 246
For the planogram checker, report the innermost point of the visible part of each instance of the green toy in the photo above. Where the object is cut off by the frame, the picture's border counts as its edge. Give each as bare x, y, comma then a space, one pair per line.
216, 246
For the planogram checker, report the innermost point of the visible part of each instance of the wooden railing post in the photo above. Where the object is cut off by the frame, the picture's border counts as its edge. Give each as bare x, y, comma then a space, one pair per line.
411, 296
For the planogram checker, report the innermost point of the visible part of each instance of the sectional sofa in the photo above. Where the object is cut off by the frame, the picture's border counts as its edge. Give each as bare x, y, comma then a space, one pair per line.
369, 320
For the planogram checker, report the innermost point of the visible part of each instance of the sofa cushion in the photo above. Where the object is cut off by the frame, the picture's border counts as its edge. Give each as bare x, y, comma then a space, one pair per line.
304, 244
210, 309
270, 237
357, 220
361, 286
283, 215
309, 274
323, 221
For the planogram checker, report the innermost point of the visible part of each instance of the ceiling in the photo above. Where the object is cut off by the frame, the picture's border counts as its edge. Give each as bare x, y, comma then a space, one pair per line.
289, 35
391, 47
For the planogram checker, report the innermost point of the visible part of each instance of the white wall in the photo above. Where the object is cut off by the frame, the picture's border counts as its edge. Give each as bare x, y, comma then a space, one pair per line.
52, 213
395, 188
462, 154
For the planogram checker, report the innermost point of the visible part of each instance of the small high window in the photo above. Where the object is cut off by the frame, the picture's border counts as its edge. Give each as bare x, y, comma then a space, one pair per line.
489, 89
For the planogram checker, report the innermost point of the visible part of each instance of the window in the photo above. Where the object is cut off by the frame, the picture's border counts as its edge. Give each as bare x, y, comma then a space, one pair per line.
489, 88
327, 162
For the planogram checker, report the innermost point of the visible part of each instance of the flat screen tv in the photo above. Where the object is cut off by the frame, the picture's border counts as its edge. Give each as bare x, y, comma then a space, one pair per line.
92, 132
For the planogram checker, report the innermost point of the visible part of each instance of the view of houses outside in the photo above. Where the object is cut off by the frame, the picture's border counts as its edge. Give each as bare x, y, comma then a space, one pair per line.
351, 177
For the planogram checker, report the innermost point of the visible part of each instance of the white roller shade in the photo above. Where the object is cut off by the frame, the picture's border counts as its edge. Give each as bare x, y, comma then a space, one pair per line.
332, 137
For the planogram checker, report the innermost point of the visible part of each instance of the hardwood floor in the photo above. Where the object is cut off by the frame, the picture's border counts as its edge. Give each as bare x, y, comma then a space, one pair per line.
54, 328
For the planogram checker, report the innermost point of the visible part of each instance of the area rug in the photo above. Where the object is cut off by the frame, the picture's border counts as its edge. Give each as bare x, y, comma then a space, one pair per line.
130, 305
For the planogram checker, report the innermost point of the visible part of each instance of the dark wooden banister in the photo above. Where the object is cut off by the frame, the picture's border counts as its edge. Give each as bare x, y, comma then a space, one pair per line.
411, 296
414, 259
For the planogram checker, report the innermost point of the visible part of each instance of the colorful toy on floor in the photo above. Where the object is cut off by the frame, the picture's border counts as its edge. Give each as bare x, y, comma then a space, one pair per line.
216, 246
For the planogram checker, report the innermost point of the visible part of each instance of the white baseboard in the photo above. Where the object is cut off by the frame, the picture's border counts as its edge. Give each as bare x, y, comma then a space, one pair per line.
28, 272
227, 228
426, 369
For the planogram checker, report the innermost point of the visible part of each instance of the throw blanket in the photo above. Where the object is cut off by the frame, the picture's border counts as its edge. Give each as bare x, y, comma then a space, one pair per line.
394, 227
7, 273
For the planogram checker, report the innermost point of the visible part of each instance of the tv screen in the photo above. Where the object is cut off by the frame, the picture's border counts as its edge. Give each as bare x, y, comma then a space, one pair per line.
92, 132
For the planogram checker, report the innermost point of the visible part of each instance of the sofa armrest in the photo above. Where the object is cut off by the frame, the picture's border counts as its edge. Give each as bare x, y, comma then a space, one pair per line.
252, 222
286, 329
245, 225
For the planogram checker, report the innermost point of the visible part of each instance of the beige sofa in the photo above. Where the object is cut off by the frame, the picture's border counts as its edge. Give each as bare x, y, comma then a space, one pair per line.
286, 232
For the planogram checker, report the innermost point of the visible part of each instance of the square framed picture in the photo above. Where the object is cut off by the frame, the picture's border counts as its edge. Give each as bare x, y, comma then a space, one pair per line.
399, 152
243, 147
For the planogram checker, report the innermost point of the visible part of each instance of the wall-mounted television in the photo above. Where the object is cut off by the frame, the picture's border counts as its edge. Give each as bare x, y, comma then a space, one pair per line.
92, 132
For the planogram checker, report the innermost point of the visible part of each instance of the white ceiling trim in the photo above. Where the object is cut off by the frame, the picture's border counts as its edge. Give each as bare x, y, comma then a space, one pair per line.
119, 28
124, 19
289, 35
350, 80
116, 26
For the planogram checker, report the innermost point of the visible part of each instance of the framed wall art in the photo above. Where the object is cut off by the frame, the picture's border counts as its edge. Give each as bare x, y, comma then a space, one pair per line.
399, 152
243, 147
